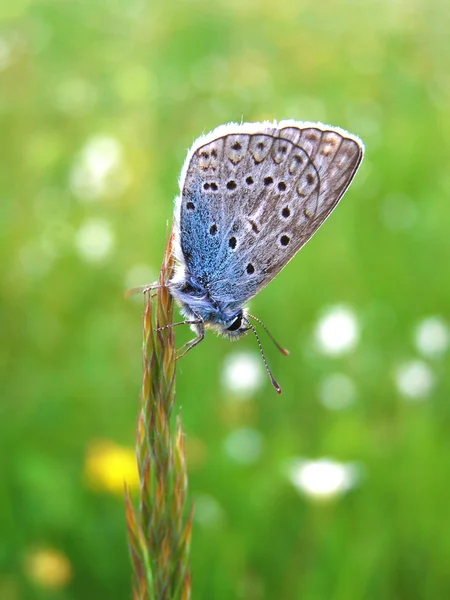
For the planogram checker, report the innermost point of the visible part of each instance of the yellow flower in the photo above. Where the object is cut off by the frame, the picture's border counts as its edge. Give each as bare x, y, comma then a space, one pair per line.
109, 465
48, 568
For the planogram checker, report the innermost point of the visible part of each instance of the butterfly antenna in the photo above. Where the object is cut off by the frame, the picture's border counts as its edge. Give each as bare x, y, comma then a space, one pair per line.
280, 348
269, 372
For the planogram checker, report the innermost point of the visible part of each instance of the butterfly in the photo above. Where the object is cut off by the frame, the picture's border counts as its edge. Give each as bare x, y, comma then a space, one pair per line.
251, 195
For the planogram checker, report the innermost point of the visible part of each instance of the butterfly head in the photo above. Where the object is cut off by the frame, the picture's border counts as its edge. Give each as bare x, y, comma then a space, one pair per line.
196, 303
235, 327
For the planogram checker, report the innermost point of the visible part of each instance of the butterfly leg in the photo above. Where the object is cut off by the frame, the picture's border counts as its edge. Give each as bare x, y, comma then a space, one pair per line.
143, 289
191, 344
187, 322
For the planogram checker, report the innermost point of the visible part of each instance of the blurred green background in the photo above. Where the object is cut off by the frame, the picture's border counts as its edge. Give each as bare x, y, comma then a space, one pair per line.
99, 102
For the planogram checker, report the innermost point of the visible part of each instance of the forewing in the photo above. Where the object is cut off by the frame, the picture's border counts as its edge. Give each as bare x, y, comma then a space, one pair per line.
254, 195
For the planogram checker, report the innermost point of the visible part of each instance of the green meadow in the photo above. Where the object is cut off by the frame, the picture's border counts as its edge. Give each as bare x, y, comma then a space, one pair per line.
339, 489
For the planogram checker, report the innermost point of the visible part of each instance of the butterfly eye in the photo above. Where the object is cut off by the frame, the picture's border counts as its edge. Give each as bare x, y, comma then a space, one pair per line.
236, 324
187, 288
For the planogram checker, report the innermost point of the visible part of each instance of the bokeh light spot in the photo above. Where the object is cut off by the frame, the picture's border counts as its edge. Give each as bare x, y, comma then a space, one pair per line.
108, 466
337, 391
337, 331
48, 568
139, 275
432, 337
415, 380
243, 373
208, 511
244, 445
323, 478
94, 240
99, 170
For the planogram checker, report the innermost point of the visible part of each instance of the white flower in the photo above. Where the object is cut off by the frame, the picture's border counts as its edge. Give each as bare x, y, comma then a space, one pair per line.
243, 373
139, 275
6, 53
99, 170
207, 510
337, 391
337, 331
244, 445
324, 478
415, 380
94, 240
432, 337
75, 96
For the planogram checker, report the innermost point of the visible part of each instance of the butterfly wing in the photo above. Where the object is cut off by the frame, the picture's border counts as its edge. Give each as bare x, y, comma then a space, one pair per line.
252, 195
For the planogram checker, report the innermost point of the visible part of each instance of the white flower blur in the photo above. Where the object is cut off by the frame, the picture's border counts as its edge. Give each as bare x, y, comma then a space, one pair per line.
243, 373
244, 445
139, 275
208, 511
75, 96
324, 478
99, 170
337, 331
6, 52
337, 391
94, 240
415, 380
432, 337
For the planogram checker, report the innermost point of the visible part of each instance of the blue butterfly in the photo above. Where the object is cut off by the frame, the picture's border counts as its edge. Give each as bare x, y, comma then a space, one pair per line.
251, 196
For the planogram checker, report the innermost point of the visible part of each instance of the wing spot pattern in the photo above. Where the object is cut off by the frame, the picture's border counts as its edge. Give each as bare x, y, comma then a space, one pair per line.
291, 177
255, 227
297, 163
331, 141
203, 160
